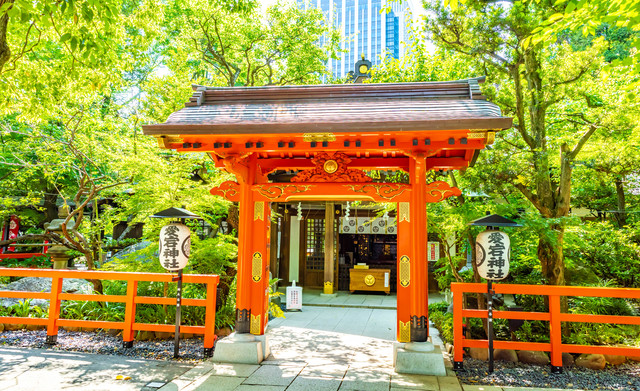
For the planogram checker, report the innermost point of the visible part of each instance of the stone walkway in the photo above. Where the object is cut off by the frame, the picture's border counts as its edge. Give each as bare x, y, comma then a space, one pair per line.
320, 348
24, 369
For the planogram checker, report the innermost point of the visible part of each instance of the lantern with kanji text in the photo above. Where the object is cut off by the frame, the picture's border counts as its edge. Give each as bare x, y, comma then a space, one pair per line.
493, 253
175, 246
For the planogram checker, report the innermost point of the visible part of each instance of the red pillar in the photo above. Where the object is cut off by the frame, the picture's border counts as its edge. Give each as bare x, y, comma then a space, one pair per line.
404, 276
243, 288
259, 266
419, 269
253, 254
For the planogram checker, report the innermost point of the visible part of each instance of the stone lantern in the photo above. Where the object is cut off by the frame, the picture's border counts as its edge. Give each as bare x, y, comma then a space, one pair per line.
58, 252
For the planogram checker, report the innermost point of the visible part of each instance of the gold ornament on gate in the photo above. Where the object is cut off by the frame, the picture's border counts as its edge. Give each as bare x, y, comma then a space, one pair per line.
330, 166
369, 280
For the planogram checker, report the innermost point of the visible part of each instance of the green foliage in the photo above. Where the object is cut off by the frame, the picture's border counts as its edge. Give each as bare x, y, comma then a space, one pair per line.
533, 331
40, 261
24, 309
442, 320
274, 309
214, 255
612, 254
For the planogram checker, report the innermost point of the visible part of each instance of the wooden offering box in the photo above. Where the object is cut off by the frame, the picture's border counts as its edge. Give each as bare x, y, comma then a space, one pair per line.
370, 280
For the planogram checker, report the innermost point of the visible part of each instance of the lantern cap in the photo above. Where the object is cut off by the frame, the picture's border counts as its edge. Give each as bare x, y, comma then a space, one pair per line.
495, 221
176, 213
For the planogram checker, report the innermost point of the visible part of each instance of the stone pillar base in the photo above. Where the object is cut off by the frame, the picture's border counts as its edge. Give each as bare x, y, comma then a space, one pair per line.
422, 358
60, 264
241, 349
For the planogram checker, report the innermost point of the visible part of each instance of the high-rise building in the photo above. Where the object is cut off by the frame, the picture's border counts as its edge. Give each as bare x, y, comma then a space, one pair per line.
365, 29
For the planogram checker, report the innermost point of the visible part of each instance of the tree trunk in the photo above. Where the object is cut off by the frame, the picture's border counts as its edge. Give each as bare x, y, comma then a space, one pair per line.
621, 215
51, 209
5, 51
552, 259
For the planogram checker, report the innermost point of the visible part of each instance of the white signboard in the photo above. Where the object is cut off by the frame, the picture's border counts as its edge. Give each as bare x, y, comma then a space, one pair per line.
175, 246
493, 253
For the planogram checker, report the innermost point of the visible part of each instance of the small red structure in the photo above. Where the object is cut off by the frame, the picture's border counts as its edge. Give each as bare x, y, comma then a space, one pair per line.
330, 135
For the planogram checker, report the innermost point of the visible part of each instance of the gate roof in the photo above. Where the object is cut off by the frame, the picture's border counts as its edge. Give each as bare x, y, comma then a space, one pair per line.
444, 119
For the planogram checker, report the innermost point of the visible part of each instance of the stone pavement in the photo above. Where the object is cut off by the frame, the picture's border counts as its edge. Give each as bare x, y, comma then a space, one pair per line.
324, 349
319, 348
24, 369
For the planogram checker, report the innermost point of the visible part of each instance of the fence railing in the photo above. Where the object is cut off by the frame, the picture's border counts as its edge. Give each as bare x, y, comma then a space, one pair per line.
555, 318
131, 299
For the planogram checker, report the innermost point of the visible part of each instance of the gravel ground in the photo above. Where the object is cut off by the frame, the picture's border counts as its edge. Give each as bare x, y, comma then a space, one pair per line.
623, 377
191, 350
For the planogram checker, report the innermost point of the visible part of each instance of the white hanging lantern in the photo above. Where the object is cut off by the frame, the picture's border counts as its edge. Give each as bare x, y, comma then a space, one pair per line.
493, 253
175, 246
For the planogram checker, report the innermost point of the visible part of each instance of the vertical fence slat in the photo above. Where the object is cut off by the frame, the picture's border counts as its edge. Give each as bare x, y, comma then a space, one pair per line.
210, 319
457, 326
129, 314
54, 310
555, 331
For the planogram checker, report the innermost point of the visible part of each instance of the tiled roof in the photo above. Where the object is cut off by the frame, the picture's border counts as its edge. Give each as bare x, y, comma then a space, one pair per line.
349, 108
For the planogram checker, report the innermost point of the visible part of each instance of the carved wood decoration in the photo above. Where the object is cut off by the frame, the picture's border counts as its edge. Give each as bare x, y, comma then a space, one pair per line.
379, 192
439, 190
384, 191
331, 168
229, 190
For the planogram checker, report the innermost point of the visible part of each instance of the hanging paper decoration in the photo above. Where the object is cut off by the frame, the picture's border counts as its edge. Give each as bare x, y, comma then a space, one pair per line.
346, 211
299, 210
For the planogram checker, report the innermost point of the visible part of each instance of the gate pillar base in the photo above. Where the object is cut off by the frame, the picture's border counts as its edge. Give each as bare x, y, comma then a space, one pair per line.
240, 349
421, 361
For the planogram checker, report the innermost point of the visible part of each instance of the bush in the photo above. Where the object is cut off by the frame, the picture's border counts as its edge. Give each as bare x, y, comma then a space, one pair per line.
611, 253
444, 323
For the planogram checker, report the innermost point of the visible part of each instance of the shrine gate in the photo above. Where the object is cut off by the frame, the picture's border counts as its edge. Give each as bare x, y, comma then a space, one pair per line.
329, 136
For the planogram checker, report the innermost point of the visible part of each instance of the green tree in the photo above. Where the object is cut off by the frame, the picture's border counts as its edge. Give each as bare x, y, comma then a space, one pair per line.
223, 46
589, 16
553, 92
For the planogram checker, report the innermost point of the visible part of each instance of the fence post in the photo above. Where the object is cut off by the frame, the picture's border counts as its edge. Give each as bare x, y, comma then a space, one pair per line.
210, 319
54, 310
555, 331
457, 326
129, 314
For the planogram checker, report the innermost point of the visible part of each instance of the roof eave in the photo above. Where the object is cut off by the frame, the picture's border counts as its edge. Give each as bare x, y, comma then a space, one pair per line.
494, 124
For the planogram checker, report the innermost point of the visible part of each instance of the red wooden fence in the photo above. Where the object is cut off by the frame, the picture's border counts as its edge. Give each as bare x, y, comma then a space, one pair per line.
131, 299
554, 316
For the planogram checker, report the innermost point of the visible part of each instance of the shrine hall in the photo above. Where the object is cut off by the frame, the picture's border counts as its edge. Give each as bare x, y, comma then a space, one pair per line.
331, 184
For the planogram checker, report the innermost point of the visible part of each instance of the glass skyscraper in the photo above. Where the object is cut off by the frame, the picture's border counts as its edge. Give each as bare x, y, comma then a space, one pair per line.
365, 29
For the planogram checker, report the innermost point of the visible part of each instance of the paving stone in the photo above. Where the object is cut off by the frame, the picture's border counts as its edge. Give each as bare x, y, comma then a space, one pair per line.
238, 370
214, 383
250, 387
449, 383
469, 387
360, 379
309, 383
198, 371
273, 375
329, 370
416, 382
